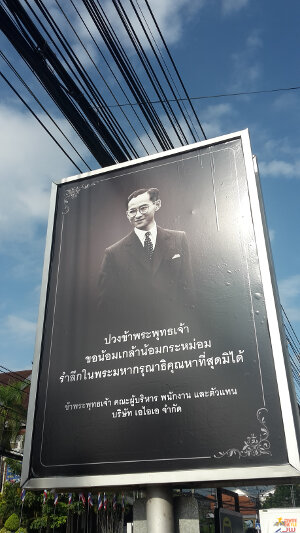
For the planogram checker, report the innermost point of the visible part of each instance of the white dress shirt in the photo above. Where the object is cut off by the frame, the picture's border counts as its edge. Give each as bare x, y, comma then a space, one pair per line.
141, 234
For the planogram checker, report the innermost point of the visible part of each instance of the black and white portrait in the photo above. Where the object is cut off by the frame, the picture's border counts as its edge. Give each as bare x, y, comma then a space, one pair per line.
147, 274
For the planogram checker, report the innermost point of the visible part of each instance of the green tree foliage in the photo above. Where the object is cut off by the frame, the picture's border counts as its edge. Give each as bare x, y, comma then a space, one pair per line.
15, 466
9, 500
284, 496
12, 413
12, 523
44, 517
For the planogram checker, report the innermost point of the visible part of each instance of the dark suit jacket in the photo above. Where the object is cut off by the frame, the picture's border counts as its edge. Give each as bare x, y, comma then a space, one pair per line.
133, 293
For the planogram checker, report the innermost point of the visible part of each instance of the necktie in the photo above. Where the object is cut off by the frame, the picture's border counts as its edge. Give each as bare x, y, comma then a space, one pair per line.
148, 246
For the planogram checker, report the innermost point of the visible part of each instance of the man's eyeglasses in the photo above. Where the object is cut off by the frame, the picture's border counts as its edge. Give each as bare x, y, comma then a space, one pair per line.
143, 209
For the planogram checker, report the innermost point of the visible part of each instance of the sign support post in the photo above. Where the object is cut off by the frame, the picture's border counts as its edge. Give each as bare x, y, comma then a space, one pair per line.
159, 509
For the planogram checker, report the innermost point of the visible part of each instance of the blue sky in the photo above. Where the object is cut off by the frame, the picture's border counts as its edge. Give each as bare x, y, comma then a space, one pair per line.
219, 46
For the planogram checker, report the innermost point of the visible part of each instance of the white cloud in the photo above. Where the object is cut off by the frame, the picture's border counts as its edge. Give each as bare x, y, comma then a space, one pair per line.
290, 287
279, 146
272, 235
280, 169
83, 55
171, 18
30, 160
293, 313
246, 71
170, 132
254, 40
287, 101
214, 119
230, 6
20, 328
289, 290
217, 111
247, 68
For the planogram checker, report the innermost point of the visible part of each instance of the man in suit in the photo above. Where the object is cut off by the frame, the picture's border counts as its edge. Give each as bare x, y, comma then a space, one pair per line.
146, 278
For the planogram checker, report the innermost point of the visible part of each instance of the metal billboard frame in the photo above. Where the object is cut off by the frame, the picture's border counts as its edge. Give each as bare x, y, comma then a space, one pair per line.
288, 404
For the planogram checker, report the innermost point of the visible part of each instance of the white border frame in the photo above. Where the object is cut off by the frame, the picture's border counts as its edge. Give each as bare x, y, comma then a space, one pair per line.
192, 476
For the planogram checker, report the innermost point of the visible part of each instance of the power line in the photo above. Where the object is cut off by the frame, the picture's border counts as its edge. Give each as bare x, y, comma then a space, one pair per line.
99, 73
16, 376
39, 120
153, 77
114, 77
43, 108
83, 79
165, 69
222, 95
34, 49
128, 72
17, 379
290, 325
52, 60
174, 66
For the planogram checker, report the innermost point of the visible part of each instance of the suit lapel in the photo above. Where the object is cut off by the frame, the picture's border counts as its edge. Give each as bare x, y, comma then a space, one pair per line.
162, 249
136, 250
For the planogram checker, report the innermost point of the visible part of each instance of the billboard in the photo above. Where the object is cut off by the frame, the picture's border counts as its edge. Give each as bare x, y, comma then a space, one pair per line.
280, 520
158, 352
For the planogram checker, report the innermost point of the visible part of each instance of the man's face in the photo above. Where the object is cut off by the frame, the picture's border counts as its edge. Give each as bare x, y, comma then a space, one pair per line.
141, 211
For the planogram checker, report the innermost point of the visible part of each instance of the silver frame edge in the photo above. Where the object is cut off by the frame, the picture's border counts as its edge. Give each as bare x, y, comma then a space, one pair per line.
38, 338
177, 476
275, 337
153, 157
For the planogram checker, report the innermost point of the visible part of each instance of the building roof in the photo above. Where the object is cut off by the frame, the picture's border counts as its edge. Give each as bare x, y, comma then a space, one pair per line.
18, 375
248, 506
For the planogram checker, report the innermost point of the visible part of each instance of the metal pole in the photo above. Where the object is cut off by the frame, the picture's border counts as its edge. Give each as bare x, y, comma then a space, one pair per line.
159, 510
293, 496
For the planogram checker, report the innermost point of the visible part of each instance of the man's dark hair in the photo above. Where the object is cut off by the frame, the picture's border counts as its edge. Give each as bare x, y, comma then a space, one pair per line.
153, 194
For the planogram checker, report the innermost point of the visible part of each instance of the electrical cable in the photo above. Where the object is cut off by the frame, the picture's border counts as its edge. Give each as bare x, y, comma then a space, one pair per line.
245, 93
133, 81
290, 324
174, 66
166, 78
149, 71
87, 85
40, 122
105, 108
31, 56
101, 76
115, 78
292, 344
42, 107
50, 64
122, 61
295, 372
212, 96
105, 149
16, 376
165, 69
